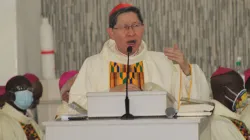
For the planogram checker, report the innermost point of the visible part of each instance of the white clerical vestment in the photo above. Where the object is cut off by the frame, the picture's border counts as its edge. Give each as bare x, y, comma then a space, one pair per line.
245, 116
10, 127
62, 109
94, 75
222, 128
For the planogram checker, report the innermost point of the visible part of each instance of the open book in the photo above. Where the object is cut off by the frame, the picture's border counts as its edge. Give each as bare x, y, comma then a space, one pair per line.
78, 108
193, 107
81, 113
194, 114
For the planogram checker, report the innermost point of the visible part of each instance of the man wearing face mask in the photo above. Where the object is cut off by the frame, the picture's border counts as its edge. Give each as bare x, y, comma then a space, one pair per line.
245, 114
247, 80
14, 124
106, 71
229, 120
37, 94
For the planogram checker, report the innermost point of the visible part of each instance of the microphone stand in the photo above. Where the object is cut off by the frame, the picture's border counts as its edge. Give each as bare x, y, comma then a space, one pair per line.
127, 115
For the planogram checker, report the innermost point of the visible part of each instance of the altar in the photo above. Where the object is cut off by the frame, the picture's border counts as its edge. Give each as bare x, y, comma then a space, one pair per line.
182, 128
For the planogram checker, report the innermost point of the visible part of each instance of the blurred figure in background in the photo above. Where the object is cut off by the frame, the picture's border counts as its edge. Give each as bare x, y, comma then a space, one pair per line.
2, 96
67, 79
247, 80
37, 94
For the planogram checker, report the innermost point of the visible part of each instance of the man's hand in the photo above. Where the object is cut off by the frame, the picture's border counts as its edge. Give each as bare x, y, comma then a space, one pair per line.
122, 88
175, 54
65, 96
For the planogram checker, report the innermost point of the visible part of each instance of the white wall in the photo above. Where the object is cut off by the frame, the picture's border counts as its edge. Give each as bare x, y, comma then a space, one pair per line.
19, 32
28, 28
8, 41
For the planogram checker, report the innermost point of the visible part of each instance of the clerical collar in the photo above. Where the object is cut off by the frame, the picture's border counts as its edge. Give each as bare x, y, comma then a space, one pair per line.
110, 53
137, 52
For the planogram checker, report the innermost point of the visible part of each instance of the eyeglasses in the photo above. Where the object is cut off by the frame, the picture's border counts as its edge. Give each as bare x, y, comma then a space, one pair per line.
134, 27
21, 88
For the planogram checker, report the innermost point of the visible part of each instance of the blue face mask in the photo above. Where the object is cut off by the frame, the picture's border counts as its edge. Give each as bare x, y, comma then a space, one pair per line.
24, 99
240, 100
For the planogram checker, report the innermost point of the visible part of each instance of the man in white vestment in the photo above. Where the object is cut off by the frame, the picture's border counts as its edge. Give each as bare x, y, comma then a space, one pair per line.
14, 123
230, 119
106, 71
247, 79
66, 81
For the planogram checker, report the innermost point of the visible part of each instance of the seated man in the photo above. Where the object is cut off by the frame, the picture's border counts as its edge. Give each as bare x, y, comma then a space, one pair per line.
37, 87
37, 94
2, 96
106, 71
247, 80
230, 98
14, 124
66, 81
245, 113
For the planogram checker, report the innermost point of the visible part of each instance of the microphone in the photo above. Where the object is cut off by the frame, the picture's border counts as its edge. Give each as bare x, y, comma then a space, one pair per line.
127, 115
170, 112
129, 50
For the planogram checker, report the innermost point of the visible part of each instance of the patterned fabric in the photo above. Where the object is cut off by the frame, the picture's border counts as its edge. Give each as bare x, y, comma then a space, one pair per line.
118, 74
30, 132
242, 128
